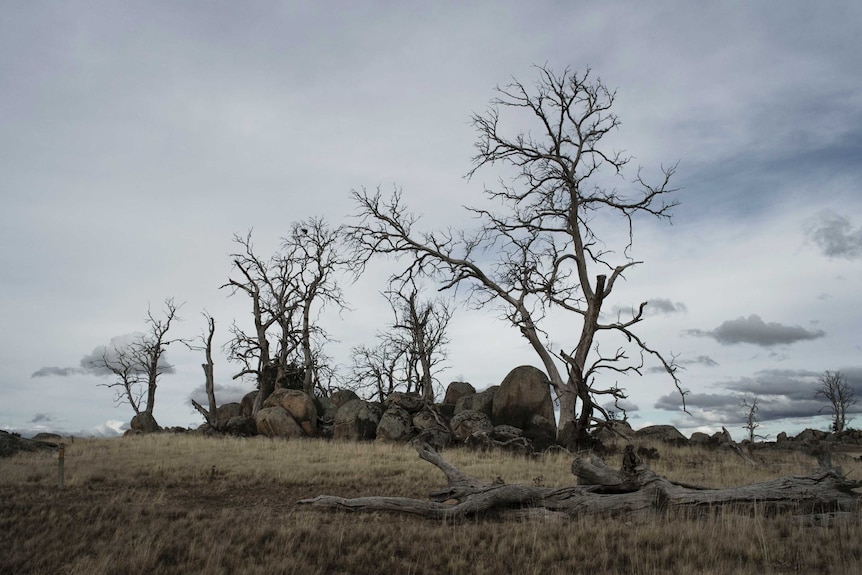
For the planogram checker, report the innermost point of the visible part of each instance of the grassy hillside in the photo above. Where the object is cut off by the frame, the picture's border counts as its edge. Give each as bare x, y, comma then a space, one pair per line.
190, 504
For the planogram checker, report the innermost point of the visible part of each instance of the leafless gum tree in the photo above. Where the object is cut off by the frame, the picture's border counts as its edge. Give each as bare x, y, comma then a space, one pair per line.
139, 364
378, 368
287, 292
750, 409
270, 285
549, 256
835, 389
409, 352
316, 252
420, 329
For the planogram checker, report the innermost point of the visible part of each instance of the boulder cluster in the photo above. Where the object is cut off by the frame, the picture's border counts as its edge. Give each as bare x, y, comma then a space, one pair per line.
616, 431
519, 412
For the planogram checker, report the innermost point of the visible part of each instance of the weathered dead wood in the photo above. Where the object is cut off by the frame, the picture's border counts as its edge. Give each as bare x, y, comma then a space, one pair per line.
603, 490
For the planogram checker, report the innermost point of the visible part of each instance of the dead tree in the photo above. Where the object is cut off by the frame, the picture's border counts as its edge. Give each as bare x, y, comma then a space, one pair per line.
377, 369
287, 292
750, 409
835, 389
270, 285
550, 255
138, 365
210, 414
315, 252
409, 352
633, 489
420, 331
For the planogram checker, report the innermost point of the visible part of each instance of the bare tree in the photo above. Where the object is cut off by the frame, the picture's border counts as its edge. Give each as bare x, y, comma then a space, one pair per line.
270, 285
316, 252
139, 364
420, 331
549, 255
287, 291
409, 352
750, 409
207, 347
835, 389
377, 369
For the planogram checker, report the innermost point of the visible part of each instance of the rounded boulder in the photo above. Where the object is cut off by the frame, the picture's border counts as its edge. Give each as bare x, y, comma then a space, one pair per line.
276, 422
299, 405
524, 392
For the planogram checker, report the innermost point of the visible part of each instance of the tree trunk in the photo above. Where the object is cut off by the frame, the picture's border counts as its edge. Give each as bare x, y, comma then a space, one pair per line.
267, 378
208, 368
307, 356
210, 418
602, 490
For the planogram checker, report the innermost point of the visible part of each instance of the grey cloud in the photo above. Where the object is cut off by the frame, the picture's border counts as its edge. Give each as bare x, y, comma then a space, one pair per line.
712, 408
701, 359
793, 384
835, 236
58, 371
90, 363
658, 306
673, 401
224, 393
780, 394
41, 418
704, 360
654, 307
623, 404
755, 331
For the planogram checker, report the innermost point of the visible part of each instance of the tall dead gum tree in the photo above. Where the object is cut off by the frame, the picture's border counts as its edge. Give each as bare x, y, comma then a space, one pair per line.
549, 256
287, 292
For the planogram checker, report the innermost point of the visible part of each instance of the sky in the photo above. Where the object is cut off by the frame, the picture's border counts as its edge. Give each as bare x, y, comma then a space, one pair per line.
137, 138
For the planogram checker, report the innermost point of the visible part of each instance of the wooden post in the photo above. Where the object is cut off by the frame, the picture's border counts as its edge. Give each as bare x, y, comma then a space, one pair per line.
61, 459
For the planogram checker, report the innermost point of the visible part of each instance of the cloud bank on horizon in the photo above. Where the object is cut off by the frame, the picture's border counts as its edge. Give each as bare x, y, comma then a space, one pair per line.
137, 139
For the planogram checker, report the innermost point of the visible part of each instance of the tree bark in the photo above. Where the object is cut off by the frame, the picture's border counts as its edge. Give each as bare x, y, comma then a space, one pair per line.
602, 490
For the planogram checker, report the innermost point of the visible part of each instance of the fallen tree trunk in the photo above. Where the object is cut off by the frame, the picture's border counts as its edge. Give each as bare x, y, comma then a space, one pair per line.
602, 490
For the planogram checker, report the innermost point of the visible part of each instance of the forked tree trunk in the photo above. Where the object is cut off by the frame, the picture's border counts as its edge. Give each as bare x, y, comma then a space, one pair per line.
602, 490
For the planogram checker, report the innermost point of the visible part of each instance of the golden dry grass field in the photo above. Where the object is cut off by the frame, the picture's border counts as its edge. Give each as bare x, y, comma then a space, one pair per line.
191, 504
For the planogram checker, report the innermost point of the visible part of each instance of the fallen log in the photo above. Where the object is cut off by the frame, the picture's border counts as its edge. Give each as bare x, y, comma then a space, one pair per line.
633, 489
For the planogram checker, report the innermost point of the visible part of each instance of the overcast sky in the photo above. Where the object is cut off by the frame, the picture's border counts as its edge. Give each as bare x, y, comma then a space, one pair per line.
137, 138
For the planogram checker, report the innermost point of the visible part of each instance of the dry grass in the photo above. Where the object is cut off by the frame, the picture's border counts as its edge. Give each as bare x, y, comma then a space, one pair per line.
188, 504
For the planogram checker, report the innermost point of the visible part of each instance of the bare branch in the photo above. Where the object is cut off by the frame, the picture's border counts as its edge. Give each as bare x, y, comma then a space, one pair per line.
546, 255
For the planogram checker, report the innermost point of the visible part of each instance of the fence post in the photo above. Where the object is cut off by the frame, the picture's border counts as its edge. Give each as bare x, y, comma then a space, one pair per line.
61, 459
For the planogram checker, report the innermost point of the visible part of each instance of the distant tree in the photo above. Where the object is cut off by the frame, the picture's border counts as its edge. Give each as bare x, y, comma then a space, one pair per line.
543, 253
420, 331
835, 389
376, 369
139, 364
409, 351
750, 409
287, 291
